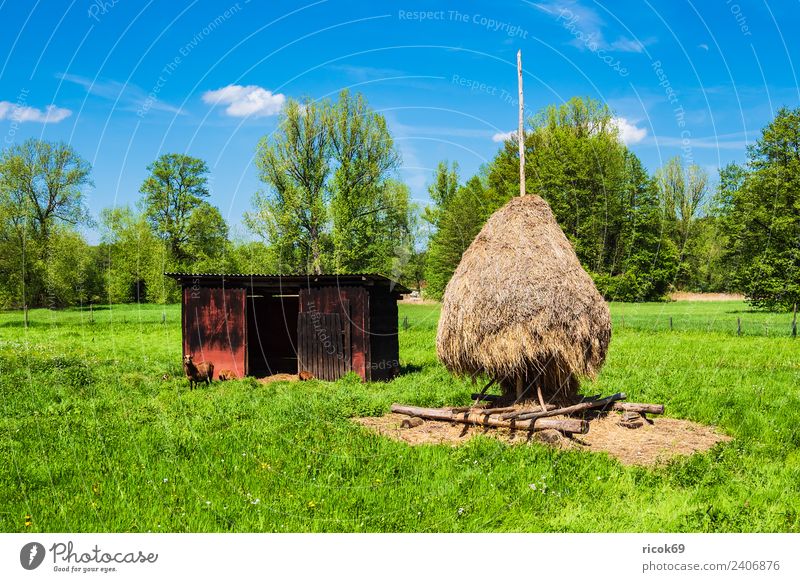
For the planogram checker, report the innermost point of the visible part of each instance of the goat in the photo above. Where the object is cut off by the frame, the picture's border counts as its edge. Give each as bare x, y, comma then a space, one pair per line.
305, 375
226, 374
196, 373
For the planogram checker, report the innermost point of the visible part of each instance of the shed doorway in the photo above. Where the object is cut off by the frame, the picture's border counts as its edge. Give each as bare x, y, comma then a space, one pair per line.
271, 333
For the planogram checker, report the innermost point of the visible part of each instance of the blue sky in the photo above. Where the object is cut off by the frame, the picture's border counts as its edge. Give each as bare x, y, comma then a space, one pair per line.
125, 81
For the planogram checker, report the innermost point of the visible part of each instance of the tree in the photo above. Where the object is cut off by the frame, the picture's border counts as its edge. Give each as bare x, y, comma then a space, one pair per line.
331, 203
762, 216
363, 203
207, 239
176, 186
682, 192
134, 259
460, 219
443, 188
294, 164
601, 196
41, 191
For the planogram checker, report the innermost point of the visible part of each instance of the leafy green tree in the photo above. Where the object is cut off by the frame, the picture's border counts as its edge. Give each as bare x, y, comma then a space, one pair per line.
294, 163
366, 208
176, 186
762, 216
134, 259
331, 203
682, 192
443, 188
601, 196
41, 191
207, 239
73, 273
460, 218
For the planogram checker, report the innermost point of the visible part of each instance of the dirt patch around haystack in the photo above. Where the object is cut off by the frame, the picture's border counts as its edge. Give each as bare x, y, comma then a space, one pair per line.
648, 445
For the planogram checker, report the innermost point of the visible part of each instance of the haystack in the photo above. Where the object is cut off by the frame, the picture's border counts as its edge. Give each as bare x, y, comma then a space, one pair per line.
521, 309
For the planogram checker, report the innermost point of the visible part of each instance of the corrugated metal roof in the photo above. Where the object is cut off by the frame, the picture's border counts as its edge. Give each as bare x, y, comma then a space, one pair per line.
287, 279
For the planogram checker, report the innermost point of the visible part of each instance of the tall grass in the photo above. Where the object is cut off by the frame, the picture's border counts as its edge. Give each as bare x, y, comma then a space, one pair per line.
92, 438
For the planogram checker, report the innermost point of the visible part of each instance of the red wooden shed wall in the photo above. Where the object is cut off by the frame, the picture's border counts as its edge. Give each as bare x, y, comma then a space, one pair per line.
215, 327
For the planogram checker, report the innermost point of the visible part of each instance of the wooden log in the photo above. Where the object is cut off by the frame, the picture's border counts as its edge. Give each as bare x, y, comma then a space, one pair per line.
574, 408
639, 407
520, 411
494, 410
566, 425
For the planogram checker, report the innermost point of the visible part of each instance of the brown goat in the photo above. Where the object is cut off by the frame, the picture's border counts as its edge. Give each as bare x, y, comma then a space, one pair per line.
226, 374
305, 375
196, 373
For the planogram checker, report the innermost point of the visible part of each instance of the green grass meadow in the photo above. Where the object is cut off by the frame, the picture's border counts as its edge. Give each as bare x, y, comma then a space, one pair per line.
92, 439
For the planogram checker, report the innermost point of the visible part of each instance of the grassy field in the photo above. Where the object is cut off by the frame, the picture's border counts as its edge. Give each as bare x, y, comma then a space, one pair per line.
92, 438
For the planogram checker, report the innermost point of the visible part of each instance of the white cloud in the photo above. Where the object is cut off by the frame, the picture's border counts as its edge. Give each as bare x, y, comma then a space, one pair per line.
23, 113
703, 46
503, 136
243, 101
628, 132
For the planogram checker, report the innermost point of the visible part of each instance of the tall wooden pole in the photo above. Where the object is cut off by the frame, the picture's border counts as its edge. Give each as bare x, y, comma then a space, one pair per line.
520, 129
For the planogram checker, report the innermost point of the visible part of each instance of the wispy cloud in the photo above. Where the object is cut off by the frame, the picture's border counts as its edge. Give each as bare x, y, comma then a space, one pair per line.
24, 113
128, 96
588, 27
731, 141
246, 100
360, 74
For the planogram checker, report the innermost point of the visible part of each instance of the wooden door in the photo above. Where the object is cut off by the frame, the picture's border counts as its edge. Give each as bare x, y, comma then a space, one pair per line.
323, 344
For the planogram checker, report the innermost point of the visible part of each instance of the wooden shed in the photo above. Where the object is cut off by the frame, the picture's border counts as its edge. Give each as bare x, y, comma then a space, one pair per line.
259, 325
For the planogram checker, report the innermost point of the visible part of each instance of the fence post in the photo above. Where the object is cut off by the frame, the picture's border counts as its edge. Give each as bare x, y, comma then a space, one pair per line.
738, 326
163, 317
670, 323
25, 314
794, 320
405, 322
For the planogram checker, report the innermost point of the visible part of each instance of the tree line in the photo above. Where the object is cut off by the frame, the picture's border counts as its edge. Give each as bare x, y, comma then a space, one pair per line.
332, 203
639, 235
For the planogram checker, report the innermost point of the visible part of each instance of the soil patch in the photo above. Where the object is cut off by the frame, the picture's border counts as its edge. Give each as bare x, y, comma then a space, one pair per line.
650, 444
684, 296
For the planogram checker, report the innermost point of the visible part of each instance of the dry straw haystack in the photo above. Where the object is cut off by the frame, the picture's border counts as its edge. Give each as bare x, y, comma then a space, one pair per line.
521, 305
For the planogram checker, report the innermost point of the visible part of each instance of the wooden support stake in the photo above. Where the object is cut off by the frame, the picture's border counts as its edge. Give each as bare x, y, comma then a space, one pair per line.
794, 320
519, 387
25, 314
482, 395
521, 130
738, 326
570, 425
485, 397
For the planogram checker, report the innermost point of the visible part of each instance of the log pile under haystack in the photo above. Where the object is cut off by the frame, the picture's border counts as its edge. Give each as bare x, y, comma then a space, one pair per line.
569, 420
